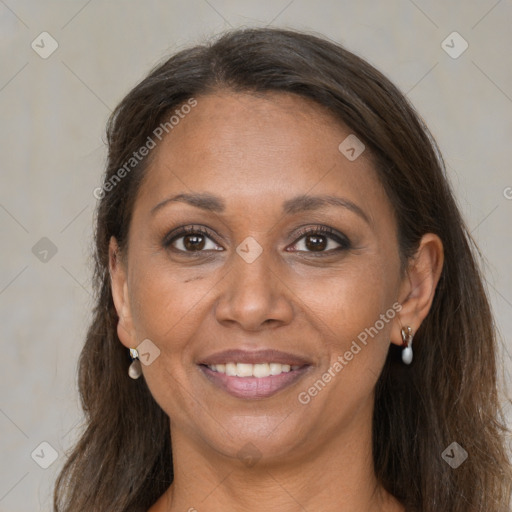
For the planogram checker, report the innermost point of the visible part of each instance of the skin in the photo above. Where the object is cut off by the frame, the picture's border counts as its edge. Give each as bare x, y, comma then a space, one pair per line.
255, 152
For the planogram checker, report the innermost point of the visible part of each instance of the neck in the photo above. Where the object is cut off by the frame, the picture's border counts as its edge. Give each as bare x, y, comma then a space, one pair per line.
337, 476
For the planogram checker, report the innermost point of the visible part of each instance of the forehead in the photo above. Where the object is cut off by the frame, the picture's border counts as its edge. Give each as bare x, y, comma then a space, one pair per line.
248, 147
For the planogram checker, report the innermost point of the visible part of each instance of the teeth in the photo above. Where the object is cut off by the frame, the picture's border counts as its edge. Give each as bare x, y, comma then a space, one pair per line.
260, 370
243, 370
252, 370
276, 368
230, 369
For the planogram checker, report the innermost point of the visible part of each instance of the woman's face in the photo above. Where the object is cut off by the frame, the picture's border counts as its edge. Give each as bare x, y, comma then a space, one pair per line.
258, 280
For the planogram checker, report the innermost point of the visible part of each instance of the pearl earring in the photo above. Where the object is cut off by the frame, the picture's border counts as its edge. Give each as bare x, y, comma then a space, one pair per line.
135, 369
407, 336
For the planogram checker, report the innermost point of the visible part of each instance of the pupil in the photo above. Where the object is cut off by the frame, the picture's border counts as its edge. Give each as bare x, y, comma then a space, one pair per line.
316, 242
193, 242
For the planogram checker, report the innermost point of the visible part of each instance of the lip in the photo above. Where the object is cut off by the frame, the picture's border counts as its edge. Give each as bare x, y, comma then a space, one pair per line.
254, 357
253, 387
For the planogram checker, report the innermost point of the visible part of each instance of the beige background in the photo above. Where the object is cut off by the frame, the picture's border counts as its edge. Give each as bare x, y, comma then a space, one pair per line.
53, 113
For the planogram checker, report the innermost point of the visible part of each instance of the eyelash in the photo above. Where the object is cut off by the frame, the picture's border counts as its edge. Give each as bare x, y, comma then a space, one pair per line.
339, 238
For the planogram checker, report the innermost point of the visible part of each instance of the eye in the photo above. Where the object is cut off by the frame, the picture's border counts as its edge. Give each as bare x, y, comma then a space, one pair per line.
318, 239
191, 239
321, 239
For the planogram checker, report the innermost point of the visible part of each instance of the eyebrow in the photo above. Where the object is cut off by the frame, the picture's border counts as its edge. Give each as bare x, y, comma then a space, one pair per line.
211, 203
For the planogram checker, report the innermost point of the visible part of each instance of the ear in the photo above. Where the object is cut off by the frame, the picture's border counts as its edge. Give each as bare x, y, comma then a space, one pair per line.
119, 285
419, 285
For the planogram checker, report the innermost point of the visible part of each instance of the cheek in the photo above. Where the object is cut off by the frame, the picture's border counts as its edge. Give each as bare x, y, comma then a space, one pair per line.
354, 313
164, 306
350, 300
166, 310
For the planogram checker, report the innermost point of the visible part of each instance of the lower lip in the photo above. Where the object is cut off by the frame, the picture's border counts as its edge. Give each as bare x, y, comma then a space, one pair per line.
253, 387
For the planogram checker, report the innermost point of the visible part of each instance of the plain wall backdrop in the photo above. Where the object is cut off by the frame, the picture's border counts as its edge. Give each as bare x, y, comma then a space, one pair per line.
54, 107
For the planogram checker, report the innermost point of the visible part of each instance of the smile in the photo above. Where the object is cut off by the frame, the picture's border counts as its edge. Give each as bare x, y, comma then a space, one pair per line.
253, 381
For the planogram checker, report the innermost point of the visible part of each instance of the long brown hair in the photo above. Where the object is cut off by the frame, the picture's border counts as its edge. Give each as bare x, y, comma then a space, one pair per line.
123, 460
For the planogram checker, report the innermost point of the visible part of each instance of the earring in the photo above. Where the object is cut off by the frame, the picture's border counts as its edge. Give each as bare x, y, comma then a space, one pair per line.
135, 369
407, 336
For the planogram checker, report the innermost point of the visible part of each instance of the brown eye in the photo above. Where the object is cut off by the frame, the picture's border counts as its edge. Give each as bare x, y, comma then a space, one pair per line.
316, 242
190, 240
194, 242
321, 239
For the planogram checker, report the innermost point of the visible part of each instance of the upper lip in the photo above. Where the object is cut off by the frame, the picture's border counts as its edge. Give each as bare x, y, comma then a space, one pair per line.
254, 357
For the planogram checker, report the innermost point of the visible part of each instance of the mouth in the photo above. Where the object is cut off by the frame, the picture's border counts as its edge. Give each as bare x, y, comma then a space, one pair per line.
253, 375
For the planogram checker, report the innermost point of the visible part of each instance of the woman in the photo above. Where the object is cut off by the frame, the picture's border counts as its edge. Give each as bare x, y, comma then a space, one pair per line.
284, 274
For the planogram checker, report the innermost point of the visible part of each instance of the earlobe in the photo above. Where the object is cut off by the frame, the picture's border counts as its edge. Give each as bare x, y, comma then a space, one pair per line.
119, 287
419, 285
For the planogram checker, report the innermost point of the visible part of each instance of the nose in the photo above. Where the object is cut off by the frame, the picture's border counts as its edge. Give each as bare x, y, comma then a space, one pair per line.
253, 295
